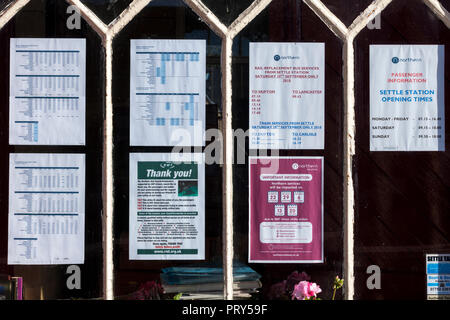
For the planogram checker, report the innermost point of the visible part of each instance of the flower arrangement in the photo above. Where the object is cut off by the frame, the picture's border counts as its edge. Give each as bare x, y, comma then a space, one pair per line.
298, 287
306, 290
150, 290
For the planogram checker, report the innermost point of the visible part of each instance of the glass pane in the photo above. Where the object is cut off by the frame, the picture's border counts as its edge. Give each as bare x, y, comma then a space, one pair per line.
347, 10
227, 10
402, 201
107, 10
299, 24
445, 3
47, 19
157, 21
4, 3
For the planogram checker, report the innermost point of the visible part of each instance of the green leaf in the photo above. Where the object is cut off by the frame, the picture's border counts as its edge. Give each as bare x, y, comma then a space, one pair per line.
178, 296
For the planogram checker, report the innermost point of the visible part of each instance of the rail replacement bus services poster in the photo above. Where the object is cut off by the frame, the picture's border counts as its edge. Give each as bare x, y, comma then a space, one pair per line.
287, 100
286, 210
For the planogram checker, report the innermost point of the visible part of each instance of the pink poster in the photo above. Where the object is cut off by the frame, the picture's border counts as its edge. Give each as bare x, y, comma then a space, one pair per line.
286, 209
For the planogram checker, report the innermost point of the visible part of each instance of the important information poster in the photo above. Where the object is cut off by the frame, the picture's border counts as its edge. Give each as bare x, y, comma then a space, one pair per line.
46, 209
287, 101
286, 210
167, 92
47, 99
167, 206
407, 109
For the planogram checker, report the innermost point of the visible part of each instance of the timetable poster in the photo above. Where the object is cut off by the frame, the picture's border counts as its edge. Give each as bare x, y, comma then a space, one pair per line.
167, 92
46, 209
167, 206
407, 109
286, 210
287, 101
47, 97
438, 276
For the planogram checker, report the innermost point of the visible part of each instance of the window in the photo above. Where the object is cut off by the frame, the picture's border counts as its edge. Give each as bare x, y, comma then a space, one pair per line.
381, 209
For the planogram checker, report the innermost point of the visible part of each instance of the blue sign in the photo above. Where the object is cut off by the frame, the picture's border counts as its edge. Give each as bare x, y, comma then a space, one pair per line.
438, 275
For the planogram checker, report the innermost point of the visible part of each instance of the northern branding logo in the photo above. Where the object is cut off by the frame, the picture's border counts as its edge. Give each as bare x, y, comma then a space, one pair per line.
277, 57
396, 60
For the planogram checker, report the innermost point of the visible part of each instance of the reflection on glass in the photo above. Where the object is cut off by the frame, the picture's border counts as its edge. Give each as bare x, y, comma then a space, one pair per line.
135, 279
227, 10
347, 11
107, 10
47, 19
4, 3
292, 21
386, 199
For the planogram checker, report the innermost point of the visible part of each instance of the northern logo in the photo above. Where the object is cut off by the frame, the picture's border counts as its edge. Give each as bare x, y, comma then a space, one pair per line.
396, 60
277, 57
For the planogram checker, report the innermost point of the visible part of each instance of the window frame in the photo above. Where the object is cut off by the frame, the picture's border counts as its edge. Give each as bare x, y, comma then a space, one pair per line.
107, 33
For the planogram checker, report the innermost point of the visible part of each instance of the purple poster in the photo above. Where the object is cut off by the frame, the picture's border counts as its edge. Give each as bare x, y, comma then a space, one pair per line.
286, 209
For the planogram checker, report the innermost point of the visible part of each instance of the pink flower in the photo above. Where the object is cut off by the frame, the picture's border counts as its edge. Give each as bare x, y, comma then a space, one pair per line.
295, 278
314, 289
305, 290
300, 290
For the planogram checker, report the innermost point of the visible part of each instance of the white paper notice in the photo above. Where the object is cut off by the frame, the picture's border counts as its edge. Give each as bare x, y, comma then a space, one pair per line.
167, 92
47, 91
407, 98
167, 206
46, 209
287, 104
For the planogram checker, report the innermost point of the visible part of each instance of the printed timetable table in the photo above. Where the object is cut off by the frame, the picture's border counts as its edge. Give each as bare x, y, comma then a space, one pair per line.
47, 91
167, 88
46, 209
174, 109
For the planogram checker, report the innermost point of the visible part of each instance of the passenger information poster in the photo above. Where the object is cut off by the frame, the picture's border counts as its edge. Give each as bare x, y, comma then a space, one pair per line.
167, 92
47, 97
407, 109
46, 209
286, 210
287, 103
438, 276
167, 206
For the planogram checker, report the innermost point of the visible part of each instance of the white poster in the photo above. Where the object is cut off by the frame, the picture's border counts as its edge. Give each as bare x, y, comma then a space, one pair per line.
167, 92
47, 95
287, 101
167, 206
407, 110
46, 209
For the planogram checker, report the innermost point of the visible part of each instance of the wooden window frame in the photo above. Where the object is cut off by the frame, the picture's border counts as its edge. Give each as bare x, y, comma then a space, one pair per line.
347, 35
